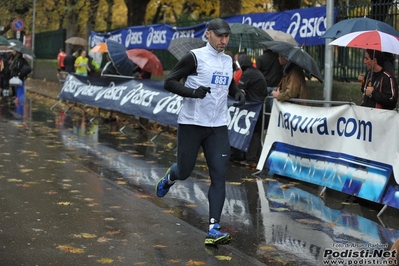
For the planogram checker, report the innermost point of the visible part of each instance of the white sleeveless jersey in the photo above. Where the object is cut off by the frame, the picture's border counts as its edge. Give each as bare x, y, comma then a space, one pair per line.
215, 70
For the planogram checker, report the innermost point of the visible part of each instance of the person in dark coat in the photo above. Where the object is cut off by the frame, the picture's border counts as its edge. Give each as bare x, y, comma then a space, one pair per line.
69, 63
379, 87
272, 70
254, 85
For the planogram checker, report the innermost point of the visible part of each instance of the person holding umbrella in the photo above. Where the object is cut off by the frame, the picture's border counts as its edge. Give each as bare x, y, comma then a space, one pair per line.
202, 120
379, 87
293, 84
20, 68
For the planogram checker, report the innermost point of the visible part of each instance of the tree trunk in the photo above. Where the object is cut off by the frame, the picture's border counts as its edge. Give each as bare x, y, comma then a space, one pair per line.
228, 7
108, 19
136, 12
282, 5
91, 23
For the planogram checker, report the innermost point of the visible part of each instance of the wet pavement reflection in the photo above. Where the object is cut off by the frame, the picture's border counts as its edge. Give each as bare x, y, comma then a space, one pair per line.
278, 221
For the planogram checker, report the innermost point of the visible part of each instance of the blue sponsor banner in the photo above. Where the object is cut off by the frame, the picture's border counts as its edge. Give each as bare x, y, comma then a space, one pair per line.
305, 25
342, 172
148, 99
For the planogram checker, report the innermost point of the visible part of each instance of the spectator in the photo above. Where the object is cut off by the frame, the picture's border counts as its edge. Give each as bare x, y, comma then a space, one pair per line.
237, 72
82, 64
20, 68
60, 58
293, 84
272, 70
253, 83
93, 65
109, 68
379, 87
69, 63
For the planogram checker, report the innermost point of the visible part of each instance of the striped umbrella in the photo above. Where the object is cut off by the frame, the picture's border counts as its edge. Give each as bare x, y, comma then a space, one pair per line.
373, 39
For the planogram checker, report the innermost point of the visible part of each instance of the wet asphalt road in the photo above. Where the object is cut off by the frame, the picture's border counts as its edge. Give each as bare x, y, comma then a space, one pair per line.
78, 191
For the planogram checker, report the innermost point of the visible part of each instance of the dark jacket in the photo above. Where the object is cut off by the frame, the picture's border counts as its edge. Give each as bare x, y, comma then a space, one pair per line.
69, 63
252, 80
19, 67
270, 67
385, 94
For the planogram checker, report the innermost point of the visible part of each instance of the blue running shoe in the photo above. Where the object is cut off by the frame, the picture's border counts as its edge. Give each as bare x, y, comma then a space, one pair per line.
215, 237
162, 186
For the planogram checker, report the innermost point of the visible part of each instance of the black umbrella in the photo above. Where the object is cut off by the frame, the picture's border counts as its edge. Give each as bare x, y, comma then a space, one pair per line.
247, 36
22, 49
181, 46
296, 55
14, 42
119, 58
4, 41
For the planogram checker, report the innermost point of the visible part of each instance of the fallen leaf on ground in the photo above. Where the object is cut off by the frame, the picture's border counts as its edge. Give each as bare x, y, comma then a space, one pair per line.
113, 232
285, 186
267, 248
142, 196
25, 170
308, 221
105, 260
228, 258
65, 203
248, 179
103, 239
14, 180
87, 235
88, 199
196, 263
70, 249
159, 246
23, 185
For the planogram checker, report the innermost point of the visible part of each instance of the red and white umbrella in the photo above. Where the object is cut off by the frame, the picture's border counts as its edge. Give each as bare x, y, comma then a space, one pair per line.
373, 39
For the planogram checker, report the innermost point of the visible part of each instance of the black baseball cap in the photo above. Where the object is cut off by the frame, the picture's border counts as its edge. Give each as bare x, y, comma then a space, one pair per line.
219, 26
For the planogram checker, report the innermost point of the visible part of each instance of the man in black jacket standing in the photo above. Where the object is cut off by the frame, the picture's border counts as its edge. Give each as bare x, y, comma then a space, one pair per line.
254, 85
272, 70
69, 63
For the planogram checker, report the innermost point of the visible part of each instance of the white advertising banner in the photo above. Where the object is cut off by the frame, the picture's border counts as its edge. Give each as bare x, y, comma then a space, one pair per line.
348, 148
